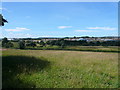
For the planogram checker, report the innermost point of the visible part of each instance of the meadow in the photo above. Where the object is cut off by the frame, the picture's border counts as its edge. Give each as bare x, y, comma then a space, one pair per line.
59, 69
115, 49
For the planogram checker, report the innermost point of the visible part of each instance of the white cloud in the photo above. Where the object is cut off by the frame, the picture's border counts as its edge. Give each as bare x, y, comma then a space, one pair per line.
17, 29
5, 9
28, 35
17, 35
102, 28
85, 31
63, 27
2, 8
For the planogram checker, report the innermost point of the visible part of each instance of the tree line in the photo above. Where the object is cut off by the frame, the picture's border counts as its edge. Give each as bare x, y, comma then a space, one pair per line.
83, 43
62, 43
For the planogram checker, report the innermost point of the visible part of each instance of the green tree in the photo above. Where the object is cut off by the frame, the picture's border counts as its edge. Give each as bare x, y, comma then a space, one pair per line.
98, 43
32, 44
9, 45
74, 37
4, 41
62, 43
42, 43
21, 45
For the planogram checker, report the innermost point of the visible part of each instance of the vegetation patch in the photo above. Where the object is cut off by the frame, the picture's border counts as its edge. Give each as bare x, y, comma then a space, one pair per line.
59, 69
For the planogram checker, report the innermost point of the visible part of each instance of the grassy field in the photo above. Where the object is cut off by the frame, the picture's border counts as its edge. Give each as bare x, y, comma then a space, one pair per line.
115, 49
59, 69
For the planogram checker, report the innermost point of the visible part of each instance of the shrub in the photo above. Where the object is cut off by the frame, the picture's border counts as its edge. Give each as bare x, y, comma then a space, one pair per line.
21, 45
9, 45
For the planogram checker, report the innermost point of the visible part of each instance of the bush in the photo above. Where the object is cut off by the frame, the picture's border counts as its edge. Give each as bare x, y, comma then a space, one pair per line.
4, 42
21, 45
9, 45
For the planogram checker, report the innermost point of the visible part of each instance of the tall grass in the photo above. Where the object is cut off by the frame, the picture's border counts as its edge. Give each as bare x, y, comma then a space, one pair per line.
115, 49
59, 69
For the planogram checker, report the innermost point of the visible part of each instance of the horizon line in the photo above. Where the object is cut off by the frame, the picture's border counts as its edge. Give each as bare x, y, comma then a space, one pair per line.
60, 37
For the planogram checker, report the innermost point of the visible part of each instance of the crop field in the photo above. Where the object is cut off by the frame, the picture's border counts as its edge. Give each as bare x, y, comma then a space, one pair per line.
59, 69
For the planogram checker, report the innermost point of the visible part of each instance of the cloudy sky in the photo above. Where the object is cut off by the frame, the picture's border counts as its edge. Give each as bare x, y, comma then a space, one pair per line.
59, 19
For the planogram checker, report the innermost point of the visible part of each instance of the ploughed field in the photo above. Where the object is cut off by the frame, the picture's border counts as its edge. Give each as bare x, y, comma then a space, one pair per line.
59, 69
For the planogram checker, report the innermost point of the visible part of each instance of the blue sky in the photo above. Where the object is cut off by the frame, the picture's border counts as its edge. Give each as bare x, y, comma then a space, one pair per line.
61, 1
60, 19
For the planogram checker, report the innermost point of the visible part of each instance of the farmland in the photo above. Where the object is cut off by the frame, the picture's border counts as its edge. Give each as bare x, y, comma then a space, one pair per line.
62, 44
59, 69
115, 49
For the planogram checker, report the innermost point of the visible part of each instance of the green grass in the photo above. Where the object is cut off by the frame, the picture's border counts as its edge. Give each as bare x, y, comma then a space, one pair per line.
95, 48
59, 69
114, 49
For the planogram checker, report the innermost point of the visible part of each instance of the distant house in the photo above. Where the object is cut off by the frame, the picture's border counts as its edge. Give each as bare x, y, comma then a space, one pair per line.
107, 40
71, 39
82, 39
86, 39
36, 40
10, 39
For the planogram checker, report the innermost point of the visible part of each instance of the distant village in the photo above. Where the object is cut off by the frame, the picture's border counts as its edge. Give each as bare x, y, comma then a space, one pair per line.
86, 38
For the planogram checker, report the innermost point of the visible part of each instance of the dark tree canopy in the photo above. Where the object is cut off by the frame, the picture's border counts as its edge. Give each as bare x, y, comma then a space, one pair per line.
21, 45
6, 43
2, 20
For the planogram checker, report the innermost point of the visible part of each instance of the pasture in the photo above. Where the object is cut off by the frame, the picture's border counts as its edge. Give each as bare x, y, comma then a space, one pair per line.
59, 69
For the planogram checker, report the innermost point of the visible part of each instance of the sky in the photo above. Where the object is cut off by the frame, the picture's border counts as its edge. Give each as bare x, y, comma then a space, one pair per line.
60, 0
59, 19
